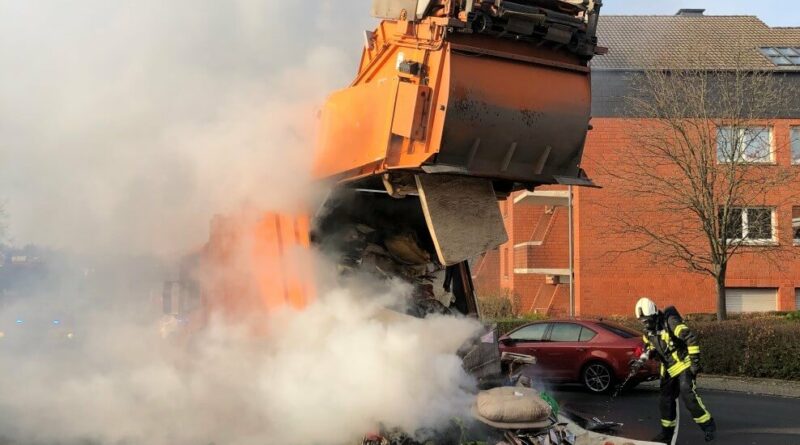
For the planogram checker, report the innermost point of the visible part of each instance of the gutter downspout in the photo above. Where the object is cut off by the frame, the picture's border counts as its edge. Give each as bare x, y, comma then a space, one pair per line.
571, 257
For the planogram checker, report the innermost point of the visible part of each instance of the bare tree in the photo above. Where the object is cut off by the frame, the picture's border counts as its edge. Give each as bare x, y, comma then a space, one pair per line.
701, 171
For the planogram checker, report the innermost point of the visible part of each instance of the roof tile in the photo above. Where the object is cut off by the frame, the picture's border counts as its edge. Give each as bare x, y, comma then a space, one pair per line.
706, 42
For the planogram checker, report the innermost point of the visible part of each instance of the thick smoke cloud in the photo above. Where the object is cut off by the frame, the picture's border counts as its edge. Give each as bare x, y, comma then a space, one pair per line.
124, 126
329, 374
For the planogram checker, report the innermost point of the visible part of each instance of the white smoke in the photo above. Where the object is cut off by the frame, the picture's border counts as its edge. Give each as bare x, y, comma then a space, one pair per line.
123, 127
125, 124
328, 374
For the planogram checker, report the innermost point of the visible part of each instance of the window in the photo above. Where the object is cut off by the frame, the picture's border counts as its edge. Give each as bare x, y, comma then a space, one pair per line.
533, 332
796, 224
744, 144
566, 332
797, 298
796, 145
782, 56
621, 331
587, 334
750, 225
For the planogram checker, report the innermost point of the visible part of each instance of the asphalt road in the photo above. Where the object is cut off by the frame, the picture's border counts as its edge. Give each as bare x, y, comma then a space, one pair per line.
742, 419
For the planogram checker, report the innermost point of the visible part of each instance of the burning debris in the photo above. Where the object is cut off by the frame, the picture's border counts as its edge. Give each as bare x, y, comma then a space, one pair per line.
384, 238
512, 414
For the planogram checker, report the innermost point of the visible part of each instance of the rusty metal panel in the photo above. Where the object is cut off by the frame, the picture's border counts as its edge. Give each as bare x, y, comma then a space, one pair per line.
356, 127
515, 119
394, 9
462, 215
408, 111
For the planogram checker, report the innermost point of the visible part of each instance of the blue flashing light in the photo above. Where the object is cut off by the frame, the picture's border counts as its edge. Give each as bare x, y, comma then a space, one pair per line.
19, 321
56, 321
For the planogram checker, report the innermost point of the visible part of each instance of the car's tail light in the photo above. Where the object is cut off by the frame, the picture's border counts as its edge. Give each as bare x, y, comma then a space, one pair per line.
638, 351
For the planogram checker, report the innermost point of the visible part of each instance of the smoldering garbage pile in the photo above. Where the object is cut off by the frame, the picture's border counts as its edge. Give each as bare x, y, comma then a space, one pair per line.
346, 366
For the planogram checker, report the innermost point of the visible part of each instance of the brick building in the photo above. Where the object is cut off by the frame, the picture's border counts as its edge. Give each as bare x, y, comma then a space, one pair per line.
534, 265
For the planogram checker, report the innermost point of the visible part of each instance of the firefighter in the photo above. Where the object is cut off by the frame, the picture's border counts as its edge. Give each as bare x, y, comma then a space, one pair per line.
670, 341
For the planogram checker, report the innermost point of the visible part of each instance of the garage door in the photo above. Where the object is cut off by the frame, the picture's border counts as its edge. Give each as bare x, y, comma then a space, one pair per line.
797, 299
751, 300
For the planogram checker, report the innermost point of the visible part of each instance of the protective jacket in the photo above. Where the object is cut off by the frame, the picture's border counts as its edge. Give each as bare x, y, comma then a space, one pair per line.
673, 344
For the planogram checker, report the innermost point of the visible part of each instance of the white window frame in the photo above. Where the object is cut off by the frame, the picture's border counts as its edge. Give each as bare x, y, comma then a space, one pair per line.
794, 143
745, 241
766, 161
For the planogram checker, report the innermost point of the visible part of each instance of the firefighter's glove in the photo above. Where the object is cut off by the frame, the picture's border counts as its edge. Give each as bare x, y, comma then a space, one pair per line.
637, 364
644, 357
696, 367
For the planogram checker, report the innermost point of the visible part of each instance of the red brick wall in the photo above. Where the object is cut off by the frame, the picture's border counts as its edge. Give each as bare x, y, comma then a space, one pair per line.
486, 273
610, 284
533, 294
495, 272
553, 253
526, 217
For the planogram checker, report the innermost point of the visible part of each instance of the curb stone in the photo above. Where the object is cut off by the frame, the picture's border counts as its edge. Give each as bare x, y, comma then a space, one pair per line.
749, 385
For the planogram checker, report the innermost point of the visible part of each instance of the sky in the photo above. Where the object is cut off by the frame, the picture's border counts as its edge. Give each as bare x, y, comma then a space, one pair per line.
772, 12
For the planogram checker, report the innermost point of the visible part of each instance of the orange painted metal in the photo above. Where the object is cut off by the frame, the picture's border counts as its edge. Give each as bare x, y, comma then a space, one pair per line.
256, 265
489, 107
425, 98
360, 132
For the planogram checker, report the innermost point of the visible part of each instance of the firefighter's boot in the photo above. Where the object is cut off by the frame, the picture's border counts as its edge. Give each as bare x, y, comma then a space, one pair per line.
665, 436
710, 429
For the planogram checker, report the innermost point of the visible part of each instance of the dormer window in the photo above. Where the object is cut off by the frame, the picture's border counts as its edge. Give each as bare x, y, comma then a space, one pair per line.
782, 56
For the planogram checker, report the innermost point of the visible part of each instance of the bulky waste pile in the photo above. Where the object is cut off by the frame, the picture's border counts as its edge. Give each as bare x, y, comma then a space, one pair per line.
510, 415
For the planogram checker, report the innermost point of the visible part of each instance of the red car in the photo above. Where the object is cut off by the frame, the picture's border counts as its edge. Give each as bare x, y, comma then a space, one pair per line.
596, 354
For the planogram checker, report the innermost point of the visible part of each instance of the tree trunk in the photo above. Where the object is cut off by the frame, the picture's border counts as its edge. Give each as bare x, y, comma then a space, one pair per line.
722, 311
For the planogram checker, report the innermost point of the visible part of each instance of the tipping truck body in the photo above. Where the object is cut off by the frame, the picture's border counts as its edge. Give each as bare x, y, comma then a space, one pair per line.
456, 104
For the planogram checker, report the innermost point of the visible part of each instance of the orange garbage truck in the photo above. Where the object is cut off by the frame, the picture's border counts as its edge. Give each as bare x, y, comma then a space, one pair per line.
456, 104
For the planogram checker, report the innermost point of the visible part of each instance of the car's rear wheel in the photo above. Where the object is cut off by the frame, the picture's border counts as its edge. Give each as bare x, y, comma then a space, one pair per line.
597, 377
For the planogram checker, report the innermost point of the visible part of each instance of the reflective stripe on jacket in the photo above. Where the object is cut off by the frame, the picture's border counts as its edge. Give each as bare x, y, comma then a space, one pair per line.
675, 345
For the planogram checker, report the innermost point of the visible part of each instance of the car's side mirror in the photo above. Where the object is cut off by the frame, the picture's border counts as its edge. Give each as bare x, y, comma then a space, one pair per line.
507, 341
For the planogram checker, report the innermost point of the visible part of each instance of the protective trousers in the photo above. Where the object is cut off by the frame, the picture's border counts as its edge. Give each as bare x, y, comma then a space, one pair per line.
682, 385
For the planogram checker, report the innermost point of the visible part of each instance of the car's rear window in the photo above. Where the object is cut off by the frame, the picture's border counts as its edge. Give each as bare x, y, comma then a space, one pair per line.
587, 334
565, 332
620, 330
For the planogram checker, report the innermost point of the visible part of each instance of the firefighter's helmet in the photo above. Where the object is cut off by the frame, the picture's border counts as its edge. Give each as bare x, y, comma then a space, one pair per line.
645, 308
